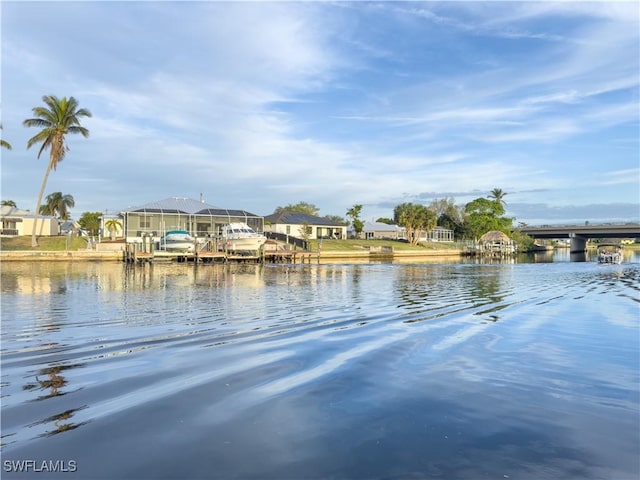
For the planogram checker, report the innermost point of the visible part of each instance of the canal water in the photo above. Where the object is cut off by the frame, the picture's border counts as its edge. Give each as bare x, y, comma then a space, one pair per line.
520, 370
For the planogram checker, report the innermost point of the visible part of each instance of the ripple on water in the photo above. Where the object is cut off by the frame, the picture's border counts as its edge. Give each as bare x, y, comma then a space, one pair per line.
319, 371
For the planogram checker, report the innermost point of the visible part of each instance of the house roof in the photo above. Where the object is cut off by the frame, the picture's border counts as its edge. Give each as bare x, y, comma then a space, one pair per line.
17, 213
297, 218
381, 227
495, 236
187, 206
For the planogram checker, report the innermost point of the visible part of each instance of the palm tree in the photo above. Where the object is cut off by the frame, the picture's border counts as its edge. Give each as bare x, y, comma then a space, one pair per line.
57, 119
113, 225
8, 203
497, 195
58, 204
3, 143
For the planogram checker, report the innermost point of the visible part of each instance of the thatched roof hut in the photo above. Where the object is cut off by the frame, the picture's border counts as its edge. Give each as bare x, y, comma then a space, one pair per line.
495, 236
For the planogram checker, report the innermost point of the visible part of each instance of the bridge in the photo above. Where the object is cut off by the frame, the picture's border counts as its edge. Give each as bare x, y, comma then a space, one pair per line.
579, 234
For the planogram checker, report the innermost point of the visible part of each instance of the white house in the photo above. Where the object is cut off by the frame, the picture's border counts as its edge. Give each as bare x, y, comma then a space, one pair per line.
302, 225
16, 222
380, 230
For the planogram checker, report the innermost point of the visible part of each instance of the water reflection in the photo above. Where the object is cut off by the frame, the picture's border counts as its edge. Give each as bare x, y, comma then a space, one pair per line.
324, 371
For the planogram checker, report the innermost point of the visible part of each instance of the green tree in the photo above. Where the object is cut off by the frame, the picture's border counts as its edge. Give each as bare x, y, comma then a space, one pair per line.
57, 205
113, 225
483, 215
8, 203
388, 221
57, 119
497, 195
416, 219
449, 215
354, 214
3, 143
300, 207
90, 221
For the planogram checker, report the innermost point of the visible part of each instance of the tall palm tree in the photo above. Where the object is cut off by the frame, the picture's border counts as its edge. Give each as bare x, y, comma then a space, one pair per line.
3, 143
8, 203
497, 195
58, 205
60, 117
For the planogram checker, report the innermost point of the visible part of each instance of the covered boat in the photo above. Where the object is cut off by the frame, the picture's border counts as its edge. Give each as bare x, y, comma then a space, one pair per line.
177, 241
240, 237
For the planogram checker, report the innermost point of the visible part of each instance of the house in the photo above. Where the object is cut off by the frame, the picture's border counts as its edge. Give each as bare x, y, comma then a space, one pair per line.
379, 230
16, 222
302, 225
178, 213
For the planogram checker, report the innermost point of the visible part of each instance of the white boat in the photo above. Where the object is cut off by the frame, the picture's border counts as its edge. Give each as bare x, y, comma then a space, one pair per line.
609, 253
177, 241
240, 237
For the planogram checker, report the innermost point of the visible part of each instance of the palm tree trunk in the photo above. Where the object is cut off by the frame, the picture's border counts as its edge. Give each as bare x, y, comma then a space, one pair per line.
34, 240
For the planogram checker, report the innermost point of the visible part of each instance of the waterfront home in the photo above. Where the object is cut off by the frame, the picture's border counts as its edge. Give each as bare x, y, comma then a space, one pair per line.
197, 218
384, 231
16, 222
302, 225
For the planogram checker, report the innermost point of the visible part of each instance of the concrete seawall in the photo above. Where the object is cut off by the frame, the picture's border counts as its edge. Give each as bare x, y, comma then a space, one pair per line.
80, 255
111, 256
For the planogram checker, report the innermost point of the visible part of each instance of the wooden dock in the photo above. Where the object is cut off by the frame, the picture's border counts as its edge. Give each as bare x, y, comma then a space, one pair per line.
140, 253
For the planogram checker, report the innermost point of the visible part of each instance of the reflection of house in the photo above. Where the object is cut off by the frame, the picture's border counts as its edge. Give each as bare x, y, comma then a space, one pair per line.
302, 225
16, 222
372, 230
175, 213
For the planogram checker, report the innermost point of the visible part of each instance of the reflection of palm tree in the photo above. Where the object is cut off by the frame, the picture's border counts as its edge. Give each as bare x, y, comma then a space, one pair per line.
58, 204
54, 381
57, 119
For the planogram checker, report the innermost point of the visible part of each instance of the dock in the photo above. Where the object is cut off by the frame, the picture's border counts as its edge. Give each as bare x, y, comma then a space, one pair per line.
141, 253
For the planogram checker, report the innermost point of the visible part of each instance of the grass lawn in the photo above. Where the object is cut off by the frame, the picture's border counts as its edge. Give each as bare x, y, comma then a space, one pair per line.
48, 244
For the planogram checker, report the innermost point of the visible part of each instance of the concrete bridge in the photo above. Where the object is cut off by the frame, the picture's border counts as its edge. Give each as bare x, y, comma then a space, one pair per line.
579, 234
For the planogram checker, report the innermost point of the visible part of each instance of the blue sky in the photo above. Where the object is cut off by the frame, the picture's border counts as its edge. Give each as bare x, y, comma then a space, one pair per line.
258, 104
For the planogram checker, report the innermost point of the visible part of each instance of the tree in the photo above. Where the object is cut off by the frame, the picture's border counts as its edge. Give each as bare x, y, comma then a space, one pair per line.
90, 221
3, 143
113, 225
300, 207
449, 215
354, 214
57, 205
59, 118
483, 215
497, 195
8, 203
388, 221
415, 218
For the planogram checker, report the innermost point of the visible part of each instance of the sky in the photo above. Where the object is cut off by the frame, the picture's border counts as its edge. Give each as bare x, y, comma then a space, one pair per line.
256, 105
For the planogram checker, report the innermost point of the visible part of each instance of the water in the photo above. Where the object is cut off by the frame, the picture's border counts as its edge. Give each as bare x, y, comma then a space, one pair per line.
352, 371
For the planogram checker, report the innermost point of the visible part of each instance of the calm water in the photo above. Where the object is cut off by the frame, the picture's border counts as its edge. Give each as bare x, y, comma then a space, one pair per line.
354, 371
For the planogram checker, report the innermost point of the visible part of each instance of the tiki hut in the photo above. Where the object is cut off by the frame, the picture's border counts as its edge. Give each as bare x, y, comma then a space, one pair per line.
496, 241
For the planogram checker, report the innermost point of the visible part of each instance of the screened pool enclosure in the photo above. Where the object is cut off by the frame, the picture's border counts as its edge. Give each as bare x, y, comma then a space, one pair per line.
198, 218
